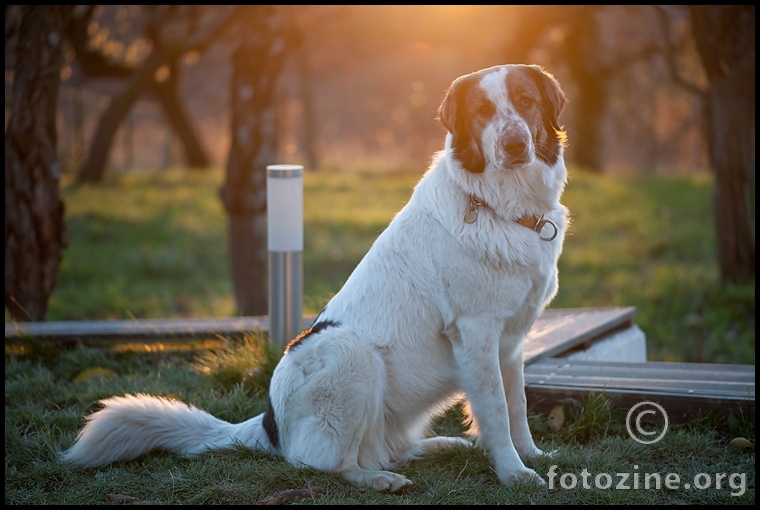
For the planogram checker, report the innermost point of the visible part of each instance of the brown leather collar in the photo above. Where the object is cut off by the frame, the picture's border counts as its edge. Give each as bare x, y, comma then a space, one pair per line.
531, 222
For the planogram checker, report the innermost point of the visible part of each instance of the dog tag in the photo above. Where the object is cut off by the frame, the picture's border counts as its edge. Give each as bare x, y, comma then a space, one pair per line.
472, 214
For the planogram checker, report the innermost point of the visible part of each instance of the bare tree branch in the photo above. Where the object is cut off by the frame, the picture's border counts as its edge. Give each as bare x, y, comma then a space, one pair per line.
94, 64
670, 54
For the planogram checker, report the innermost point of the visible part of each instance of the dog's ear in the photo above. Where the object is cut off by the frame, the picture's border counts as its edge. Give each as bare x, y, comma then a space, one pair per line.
450, 109
453, 115
551, 93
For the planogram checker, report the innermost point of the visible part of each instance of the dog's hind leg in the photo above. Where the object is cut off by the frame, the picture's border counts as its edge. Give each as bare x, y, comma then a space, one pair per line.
334, 418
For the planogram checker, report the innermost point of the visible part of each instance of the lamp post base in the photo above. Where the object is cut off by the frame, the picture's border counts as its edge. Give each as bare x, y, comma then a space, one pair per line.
285, 296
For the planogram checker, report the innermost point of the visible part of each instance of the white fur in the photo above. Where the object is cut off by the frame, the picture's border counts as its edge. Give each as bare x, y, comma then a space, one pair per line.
436, 311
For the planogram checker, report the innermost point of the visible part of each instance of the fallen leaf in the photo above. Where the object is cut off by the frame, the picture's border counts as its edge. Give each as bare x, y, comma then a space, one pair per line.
741, 442
556, 417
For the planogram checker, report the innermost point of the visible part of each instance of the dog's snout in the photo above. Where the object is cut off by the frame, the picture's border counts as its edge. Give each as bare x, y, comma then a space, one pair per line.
514, 144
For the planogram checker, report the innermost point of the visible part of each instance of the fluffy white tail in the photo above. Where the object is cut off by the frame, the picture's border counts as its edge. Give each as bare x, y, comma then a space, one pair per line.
130, 426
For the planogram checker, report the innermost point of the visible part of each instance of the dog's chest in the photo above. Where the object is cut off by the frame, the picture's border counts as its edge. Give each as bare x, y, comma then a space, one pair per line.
493, 281
489, 266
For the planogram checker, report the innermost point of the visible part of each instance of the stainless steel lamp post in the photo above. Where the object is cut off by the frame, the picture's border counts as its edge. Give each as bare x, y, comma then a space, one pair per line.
285, 240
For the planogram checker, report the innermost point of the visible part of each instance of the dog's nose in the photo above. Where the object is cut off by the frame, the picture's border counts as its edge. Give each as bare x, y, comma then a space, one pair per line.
514, 145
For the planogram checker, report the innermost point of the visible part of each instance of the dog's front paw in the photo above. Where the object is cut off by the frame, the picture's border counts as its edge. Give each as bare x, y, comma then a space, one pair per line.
381, 481
385, 481
533, 452
549, 454
525, 475
538, 453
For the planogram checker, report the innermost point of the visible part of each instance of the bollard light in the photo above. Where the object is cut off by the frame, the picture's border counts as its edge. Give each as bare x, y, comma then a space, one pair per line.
285, 241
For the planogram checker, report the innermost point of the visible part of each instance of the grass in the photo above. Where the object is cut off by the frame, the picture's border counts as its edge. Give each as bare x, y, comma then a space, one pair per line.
147, 246
154, 245
47, 395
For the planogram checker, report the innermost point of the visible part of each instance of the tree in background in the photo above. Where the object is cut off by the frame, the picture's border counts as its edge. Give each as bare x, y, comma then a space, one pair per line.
35, 232
265, 39
579, 39
725, 41
724, 37
579, 50
172, 31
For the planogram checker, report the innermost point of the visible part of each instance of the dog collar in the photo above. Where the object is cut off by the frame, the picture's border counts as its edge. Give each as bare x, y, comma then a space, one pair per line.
531, 222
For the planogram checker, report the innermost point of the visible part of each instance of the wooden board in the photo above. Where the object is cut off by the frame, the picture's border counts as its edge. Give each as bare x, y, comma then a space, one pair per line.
559, 330
554, 332
684, 389
140, 329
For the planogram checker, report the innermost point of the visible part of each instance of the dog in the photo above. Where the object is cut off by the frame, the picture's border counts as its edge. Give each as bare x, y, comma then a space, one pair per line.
436, 312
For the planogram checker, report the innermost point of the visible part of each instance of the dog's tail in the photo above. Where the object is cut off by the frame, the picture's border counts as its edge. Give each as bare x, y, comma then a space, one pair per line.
130, 426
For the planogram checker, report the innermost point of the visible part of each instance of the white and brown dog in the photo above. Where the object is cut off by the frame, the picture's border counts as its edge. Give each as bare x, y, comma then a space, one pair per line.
437, 309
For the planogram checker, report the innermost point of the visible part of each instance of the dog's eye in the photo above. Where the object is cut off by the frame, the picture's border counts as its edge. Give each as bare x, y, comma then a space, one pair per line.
526, 100
485, 108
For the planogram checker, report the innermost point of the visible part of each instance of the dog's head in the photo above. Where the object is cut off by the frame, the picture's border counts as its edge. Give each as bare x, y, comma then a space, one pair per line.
505, 116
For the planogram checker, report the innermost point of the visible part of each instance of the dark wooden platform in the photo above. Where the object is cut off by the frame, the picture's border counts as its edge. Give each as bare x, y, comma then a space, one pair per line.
685, 390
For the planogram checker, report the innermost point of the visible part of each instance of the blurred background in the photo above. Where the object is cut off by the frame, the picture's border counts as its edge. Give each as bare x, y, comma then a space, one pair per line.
365, 82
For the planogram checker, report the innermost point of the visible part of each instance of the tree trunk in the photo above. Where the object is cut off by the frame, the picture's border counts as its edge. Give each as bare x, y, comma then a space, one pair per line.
592, 92
580, 52
257, 62
109, 122
725, 38
168, 95
35, 231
